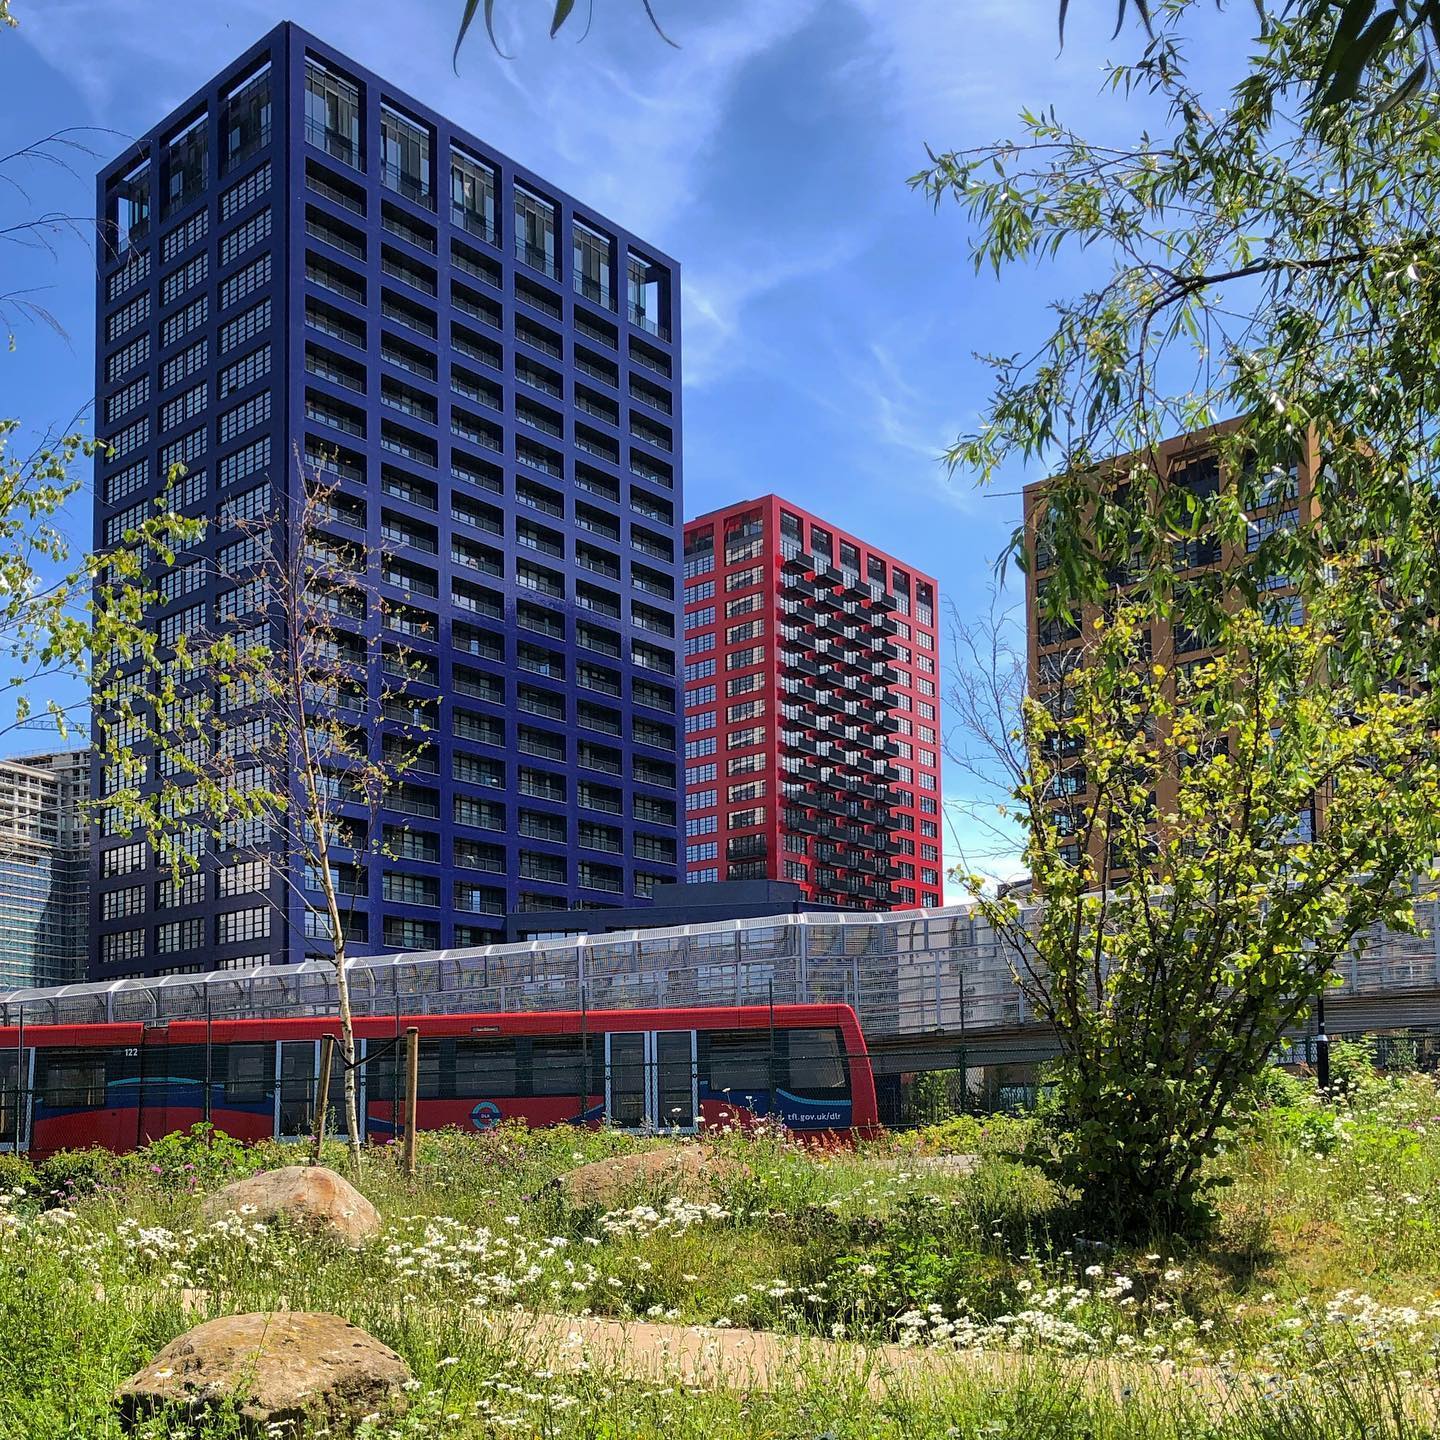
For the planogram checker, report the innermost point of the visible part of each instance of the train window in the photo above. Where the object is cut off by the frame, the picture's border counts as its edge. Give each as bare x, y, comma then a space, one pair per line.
380, 1073
817, 1063
555, 1066
174, 1062
740, 1063
70, 1079
9, 1095
486, 1067
249, 1073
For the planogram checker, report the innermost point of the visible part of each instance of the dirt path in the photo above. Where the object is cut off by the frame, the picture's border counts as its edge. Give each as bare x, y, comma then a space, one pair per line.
707, 1357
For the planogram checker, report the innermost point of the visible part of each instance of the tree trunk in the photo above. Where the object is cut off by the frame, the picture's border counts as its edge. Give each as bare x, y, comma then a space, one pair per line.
352, 1072
347, 1021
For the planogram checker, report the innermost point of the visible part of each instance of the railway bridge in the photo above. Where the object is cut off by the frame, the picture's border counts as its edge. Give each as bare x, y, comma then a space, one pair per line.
934, 989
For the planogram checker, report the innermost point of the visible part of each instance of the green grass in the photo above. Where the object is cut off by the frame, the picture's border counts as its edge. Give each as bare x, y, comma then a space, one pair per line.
1311, 1312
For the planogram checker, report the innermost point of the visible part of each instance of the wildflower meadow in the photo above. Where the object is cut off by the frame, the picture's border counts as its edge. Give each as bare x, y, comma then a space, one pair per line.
892, 1291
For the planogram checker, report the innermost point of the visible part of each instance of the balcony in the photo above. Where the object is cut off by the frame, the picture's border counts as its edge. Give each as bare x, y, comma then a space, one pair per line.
474, 223
405, 182
648, 323
537, 257
335, 144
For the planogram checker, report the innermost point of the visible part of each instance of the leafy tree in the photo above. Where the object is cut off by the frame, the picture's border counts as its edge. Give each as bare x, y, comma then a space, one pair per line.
250, 726
1365, 33
1266, 258
1191, 908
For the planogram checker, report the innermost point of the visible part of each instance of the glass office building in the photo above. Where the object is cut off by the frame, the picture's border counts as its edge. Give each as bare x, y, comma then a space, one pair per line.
44, 868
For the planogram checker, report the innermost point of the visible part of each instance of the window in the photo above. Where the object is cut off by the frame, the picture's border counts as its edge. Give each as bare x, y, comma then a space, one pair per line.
186, 278
123, 860
186, 168
245, 119
121, 904
245, 461
127, 317
246, 416
236, 925
130, 207
123, 946
472, 195
591, 266
816, 1063
486, 1067
73, 1079
482, 814
245, 282
645, 284
332, 113
130, 398
242, 193
137, 352
244, 326
245, 237
180, 935
250, 877
411, 889
535, 231
405, 156
407, 934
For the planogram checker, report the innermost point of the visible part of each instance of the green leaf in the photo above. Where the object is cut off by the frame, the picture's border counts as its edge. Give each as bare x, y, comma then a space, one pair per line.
562, 14
1348, 58
469, 14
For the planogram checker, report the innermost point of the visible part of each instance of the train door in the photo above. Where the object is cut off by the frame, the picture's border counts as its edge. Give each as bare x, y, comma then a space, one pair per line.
298, 1069
16, 1070
651, 1081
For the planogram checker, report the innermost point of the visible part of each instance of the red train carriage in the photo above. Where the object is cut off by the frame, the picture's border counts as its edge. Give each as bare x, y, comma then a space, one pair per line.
120, 1085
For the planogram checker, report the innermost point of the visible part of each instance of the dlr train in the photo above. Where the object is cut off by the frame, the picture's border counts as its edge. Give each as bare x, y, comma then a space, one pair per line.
121, 1085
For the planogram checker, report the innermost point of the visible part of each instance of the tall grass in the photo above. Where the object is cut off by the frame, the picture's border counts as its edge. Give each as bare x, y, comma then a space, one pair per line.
1312, 1313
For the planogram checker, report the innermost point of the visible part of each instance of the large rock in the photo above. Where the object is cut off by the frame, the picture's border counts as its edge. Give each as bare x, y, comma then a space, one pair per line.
688, 1170
292, 1366
308, 1196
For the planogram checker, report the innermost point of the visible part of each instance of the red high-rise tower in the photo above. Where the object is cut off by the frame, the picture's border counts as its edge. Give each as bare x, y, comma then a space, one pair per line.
812, 712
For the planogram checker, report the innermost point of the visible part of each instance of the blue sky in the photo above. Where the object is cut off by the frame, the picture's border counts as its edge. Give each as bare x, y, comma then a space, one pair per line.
831, 317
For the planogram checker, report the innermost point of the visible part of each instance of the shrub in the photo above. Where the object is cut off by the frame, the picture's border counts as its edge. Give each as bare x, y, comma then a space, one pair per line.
929, 1100
17, 1173
70, 1173
197, 1158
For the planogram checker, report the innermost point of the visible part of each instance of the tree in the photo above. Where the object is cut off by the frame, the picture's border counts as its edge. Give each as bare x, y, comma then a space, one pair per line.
1365, 33
1269, 263
253, 725
1191, 907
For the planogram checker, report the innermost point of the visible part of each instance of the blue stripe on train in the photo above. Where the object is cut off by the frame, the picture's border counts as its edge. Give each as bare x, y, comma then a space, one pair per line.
169, 1093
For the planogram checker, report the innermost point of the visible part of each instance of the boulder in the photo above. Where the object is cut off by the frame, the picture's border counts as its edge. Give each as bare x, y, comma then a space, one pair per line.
308, 1196
286, 1369
687, 1170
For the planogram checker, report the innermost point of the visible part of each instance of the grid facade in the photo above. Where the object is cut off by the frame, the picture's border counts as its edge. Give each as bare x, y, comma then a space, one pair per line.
44, 868
301, 259
812, 712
